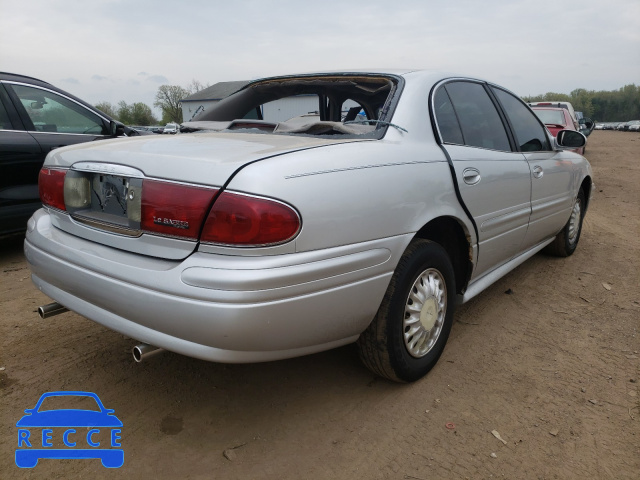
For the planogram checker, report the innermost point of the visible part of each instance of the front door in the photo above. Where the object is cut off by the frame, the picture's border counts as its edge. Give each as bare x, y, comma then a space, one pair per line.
551, 176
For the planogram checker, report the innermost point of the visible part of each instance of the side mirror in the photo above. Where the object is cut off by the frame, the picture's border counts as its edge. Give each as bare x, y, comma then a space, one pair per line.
116, 129
570, 139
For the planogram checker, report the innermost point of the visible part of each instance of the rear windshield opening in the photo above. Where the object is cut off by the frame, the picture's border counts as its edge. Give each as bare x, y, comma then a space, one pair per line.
315, 105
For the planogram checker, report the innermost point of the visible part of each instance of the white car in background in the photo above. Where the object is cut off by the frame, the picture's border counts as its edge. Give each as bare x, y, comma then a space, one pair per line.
634, 126
171, 128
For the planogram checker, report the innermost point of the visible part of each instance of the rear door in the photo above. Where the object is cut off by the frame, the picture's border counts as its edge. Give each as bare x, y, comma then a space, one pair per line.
493, 180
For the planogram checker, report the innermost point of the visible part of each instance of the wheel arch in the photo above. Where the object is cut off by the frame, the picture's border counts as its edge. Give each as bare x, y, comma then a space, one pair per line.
452, 235
586, 187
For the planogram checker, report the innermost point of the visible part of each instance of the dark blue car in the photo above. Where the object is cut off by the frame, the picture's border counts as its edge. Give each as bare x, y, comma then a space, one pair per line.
77, 444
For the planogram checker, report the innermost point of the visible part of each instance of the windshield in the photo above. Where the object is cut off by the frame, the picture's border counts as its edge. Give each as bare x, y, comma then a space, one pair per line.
354, 105
550, 117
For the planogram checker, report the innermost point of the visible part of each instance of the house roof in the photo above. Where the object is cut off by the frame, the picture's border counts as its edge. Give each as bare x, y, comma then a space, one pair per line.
217, 92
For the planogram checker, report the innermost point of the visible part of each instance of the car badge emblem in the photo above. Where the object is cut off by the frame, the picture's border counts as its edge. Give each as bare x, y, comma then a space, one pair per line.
69, 433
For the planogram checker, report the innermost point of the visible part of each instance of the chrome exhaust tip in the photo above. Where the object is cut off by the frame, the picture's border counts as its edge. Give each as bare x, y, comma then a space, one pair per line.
51, 309
143, 351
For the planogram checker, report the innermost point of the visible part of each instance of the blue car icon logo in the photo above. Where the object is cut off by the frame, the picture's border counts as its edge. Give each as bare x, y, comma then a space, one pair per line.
92, 431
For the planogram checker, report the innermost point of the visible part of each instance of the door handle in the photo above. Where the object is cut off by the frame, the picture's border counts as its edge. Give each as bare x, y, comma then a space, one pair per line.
471, 176
537, 171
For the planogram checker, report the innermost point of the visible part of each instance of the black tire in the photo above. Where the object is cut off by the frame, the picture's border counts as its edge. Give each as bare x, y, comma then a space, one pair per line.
567, 240
383, 346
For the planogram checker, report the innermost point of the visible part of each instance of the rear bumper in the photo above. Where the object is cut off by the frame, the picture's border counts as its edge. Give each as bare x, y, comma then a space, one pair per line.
217, 307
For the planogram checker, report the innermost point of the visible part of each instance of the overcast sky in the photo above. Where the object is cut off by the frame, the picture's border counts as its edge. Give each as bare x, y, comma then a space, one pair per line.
112, 50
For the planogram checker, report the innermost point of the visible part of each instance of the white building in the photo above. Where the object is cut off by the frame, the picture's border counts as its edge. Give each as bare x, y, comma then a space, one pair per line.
206, 98
289, 107
276, 111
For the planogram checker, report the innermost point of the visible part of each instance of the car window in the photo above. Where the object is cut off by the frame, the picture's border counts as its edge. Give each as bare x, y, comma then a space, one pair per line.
530, 135
446, 118
479, 120
551, 117
5, 123
50, 112
254, 114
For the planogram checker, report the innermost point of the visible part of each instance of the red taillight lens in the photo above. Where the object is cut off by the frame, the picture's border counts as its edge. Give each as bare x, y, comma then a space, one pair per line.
51, 187
174, 209
249, 221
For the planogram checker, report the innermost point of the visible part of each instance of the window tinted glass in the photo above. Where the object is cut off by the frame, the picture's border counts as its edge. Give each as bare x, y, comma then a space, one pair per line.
479, 120
529, 133
53, 113
446, 118
5, 123
252, 114
551, 117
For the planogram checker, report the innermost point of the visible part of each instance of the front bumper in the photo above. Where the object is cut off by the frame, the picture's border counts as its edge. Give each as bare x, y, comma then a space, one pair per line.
217, 307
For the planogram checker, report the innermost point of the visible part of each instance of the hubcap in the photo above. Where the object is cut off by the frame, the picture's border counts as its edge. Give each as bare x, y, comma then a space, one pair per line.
424, 312
574, 222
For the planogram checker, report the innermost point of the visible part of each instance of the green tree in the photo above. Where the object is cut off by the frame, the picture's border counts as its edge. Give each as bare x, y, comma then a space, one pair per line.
124, 113
602, 106
142, 115
108, 108
135, 114
581, 101
169, 100
549, 96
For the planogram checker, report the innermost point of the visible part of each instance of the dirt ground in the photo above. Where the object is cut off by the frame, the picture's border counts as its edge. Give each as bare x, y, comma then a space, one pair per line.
553, 367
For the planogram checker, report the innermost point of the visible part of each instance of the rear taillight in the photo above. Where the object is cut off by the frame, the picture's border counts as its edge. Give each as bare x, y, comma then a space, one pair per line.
243, 220
174, 209
51, 187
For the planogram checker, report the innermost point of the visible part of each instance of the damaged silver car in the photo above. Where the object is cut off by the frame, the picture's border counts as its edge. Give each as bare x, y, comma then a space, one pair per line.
364, 212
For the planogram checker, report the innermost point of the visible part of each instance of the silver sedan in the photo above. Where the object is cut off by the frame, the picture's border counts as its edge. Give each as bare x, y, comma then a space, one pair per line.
307, 212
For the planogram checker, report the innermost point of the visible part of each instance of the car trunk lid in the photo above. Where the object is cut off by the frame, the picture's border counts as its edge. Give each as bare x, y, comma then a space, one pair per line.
152, 195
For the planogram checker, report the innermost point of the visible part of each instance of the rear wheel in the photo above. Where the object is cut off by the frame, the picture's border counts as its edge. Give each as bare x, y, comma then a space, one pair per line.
567, 240
410, 330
